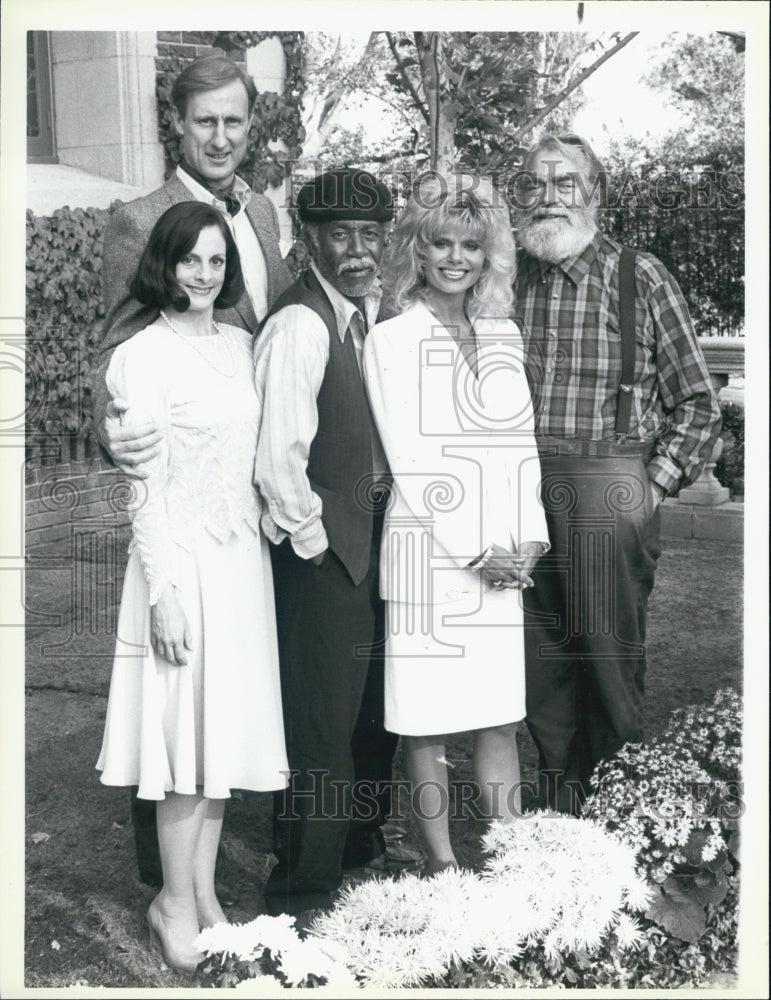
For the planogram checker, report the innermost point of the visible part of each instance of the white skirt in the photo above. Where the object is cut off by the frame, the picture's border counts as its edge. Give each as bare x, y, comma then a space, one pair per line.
455, 667
216, 722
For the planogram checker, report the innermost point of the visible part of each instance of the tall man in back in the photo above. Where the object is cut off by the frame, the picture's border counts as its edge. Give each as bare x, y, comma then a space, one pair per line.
625, 414
212, 106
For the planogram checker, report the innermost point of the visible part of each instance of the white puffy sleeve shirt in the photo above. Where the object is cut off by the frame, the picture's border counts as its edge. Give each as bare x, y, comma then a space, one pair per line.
199, 392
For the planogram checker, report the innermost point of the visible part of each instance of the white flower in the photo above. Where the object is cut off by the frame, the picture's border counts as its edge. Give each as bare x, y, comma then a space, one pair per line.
549, 881
638, 894
333, 950
551, 945
311, 957
628, 931
712, 847
275, 933
238, 940
299, 962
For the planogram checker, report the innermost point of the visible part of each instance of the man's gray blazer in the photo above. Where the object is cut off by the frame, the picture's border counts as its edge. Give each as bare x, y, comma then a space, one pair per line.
125, 238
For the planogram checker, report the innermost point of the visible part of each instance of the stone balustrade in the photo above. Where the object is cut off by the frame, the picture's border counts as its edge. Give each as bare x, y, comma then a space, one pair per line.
703, 509
724, 357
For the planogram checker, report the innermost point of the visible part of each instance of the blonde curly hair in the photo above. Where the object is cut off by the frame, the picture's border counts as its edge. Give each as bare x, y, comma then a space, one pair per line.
449, 203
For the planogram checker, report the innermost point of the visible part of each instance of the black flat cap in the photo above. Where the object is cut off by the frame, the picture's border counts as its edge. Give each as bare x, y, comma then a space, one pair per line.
349, 193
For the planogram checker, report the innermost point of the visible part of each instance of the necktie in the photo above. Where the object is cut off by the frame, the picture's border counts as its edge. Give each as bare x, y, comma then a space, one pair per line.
232, 204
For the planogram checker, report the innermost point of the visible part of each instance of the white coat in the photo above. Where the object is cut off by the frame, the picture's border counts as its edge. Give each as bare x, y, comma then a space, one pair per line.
460, 448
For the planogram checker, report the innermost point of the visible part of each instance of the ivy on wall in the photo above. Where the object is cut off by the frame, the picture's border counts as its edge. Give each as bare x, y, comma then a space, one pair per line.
63, 320
276, 116
65, 312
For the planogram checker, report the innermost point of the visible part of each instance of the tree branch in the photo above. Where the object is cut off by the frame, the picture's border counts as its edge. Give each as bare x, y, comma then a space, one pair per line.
406, 80
559, 98
429, 70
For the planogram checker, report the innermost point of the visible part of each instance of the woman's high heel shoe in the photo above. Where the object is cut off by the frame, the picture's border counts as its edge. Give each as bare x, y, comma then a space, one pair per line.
184, 959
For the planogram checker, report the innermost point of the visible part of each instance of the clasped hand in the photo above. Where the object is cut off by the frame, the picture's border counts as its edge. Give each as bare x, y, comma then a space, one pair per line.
170, 633
511, 570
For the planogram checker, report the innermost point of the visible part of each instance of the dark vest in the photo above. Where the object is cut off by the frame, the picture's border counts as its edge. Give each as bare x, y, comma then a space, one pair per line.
340, 458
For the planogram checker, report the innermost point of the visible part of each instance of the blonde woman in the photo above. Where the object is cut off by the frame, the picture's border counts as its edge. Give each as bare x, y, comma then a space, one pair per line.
448, 391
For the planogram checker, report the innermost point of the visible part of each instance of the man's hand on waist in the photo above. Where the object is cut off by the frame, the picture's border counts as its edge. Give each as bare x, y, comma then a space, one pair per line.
131, 448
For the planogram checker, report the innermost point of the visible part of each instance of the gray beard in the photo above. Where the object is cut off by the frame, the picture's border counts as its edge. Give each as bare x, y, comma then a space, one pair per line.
556, 241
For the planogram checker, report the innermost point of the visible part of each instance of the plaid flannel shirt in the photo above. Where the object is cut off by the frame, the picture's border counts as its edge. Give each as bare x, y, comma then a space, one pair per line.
569, 313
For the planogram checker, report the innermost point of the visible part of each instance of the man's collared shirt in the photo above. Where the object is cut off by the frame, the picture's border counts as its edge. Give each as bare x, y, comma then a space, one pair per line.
253, 265
291, 356
570, 315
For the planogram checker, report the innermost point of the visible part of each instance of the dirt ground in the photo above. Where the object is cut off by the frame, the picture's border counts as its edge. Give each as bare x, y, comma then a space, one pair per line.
85, 905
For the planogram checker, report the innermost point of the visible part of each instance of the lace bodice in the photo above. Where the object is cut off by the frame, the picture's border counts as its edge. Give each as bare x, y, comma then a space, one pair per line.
202, 480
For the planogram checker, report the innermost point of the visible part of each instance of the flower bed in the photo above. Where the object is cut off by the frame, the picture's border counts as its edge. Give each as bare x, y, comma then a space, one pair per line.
641, 891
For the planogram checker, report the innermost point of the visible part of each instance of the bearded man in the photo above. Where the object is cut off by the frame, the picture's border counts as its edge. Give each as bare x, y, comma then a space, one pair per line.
625, 414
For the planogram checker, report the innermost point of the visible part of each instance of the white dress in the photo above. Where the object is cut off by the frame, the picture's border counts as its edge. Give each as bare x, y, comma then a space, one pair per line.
466, 475
215, 722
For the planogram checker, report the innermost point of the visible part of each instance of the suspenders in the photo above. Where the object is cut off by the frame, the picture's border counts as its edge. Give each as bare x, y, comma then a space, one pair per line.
627, 322
627, 326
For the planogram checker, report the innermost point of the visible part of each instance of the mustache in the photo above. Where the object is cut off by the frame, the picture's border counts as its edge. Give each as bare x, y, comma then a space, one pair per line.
360, 264
545, 214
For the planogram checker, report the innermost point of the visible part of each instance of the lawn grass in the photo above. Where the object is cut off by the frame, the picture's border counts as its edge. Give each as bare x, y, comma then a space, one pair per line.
85, 906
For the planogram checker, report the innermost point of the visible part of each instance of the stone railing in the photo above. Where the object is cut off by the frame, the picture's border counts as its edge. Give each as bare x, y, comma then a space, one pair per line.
724, 357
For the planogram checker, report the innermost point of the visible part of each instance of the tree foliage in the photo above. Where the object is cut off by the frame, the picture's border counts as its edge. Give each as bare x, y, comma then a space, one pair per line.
703, 77
347, 85
680, 195
481, 94
457, 98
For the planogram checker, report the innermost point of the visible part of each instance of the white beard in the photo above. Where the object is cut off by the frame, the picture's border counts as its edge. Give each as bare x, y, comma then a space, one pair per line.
555, 240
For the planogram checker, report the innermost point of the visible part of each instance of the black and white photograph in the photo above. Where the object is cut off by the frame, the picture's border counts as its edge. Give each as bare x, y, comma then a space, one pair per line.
384, 442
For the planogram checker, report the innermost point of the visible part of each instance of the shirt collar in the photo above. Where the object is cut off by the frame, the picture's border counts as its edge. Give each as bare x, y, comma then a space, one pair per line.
344, 309
239, 190
575, 268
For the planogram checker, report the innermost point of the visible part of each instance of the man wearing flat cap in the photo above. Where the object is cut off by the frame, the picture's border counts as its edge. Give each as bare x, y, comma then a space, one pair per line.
323, 475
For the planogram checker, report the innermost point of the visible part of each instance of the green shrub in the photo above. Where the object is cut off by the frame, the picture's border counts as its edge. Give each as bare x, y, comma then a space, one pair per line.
678, 800
729, 469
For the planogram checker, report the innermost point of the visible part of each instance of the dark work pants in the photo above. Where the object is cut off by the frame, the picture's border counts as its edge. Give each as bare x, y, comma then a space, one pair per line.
330, 634
586, 618
373, 749
146, 839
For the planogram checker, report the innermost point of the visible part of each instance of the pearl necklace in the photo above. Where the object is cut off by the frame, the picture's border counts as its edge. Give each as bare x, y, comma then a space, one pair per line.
190, 341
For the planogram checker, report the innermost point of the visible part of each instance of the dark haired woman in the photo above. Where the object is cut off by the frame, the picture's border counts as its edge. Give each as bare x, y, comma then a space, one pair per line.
195, 702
